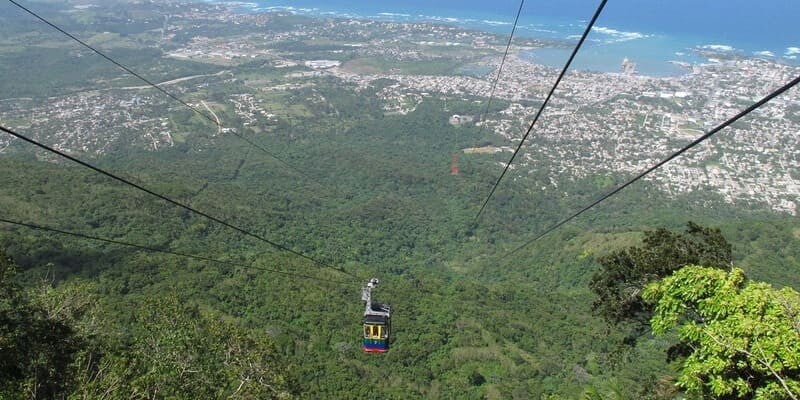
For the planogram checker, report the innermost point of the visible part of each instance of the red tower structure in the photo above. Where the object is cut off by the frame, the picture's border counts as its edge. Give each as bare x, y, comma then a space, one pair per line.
454, 165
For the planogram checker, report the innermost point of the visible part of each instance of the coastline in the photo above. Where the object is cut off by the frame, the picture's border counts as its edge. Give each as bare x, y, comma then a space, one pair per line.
654, 54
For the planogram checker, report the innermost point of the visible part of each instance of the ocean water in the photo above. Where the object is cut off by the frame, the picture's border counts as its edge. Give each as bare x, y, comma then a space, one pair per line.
654, 34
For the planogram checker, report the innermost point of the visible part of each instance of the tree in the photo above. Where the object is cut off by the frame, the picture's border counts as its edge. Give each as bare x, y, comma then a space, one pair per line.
175, 350
37, 348
625, 273
744, 336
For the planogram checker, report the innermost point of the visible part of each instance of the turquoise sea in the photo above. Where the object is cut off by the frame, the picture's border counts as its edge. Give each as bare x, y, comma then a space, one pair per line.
654, 34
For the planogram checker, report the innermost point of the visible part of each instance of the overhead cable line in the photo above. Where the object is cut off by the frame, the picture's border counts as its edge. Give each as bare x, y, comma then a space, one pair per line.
173, 253
174, 202
694, 143
502, 63
162, 90
544, 104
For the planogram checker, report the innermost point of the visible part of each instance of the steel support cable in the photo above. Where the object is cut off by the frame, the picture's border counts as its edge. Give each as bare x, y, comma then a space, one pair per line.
502, 63
694, 143
174, 202
544, 104
162, 90
173, 253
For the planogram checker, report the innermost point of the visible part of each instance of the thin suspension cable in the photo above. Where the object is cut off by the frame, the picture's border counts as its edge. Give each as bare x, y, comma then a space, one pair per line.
502, 63
694, 143
162, 90
173, 253
174, 202
544, 104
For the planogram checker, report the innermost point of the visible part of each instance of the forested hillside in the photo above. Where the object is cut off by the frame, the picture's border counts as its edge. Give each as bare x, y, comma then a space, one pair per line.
467, 322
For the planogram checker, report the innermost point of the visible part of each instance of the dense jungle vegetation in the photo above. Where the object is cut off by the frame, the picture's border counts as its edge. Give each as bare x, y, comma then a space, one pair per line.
468, 324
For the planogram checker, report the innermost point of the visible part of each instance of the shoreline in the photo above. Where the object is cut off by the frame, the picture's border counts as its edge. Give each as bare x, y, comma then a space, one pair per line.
609, 46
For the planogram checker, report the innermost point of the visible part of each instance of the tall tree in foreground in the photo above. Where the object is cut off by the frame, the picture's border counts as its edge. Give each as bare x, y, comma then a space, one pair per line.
744, 336
174, 350
626, 272
37, 347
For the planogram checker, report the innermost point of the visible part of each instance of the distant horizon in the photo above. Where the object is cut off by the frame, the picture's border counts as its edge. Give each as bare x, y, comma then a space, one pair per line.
735, 23
649, 37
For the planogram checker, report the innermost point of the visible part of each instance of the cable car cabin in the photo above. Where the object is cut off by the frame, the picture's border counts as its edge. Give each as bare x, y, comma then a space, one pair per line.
377, 322
377, 327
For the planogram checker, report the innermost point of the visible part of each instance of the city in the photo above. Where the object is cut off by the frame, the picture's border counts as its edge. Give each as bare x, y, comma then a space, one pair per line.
606, 124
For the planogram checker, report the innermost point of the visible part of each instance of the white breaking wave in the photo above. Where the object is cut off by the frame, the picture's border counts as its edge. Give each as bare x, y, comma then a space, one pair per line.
388, 14
441, 19
718, 47
619, 36
792, 51
764, 53
535, 28
490, 22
